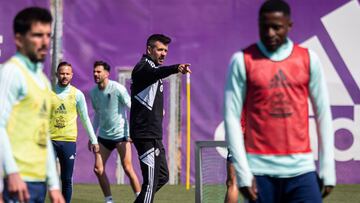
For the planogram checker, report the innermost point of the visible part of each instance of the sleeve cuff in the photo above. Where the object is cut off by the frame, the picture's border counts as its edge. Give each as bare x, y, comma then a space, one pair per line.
94, 141
245, 182
54, 187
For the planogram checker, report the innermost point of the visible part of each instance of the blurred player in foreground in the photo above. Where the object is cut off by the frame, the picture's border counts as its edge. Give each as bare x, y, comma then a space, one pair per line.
275, 78
25, 101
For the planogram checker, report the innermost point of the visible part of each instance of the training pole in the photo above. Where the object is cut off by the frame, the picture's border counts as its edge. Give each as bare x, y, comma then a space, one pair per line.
188, 134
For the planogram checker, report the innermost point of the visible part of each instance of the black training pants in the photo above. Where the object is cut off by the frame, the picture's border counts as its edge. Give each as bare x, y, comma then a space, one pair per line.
153, 167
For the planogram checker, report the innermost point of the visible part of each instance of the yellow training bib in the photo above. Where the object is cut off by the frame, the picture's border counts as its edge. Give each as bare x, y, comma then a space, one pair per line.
28, 128
63, 125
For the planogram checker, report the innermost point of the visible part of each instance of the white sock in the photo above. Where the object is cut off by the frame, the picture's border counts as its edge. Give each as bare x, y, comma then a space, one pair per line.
137, 194
109, 199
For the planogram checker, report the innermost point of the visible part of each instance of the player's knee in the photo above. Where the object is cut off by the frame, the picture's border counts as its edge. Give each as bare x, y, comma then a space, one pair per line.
98, 171
231, 183
127, 168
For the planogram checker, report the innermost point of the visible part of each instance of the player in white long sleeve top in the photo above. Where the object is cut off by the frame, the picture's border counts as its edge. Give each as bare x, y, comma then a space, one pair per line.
110, 101
273, 79
25, 112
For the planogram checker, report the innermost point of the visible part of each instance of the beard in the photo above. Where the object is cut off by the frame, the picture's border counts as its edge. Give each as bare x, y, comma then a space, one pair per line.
64, 84
35, 59
36, 55
98, 81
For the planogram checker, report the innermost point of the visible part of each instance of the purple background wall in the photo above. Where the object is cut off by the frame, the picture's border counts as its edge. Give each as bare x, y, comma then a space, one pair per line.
205, 33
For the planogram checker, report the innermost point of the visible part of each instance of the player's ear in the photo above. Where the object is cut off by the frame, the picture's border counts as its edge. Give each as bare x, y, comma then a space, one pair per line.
148, 50
290, 23
19, 40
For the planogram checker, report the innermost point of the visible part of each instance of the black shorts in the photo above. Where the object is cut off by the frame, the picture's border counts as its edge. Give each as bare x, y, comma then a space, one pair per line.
111, 144
229, 157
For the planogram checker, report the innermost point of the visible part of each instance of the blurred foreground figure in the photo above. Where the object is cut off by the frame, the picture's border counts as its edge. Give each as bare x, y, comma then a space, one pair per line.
272, 80
25, 101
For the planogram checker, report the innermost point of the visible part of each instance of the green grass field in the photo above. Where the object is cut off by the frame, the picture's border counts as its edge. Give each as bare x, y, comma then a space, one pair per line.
85, 193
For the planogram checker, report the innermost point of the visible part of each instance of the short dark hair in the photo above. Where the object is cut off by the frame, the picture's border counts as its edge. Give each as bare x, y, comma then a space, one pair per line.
275, 6
24, 19
158, 37
102, 63
63, 63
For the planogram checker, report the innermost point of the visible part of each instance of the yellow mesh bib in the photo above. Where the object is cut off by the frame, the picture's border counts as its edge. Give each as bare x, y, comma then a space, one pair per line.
63, 125
28, 128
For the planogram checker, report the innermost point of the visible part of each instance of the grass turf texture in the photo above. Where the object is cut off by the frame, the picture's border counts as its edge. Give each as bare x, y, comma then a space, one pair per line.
86, 193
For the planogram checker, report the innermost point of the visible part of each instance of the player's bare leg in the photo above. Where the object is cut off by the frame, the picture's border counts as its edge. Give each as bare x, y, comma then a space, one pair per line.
232, 192
124, 149
101, 158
